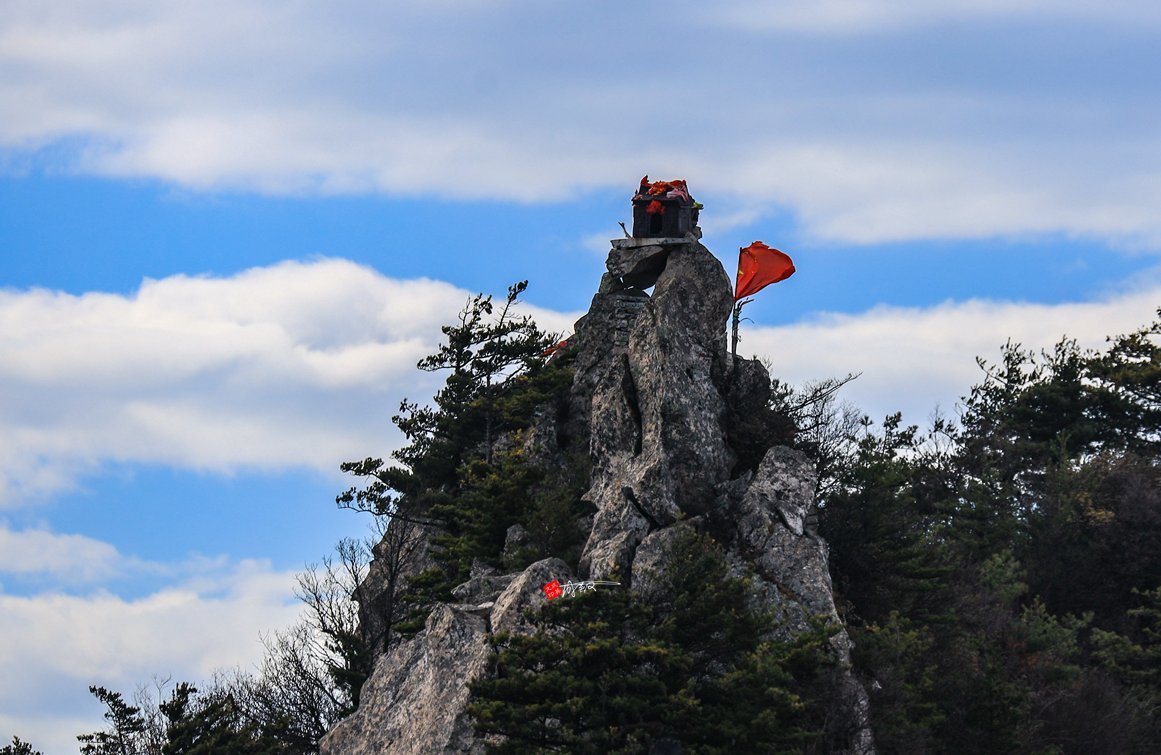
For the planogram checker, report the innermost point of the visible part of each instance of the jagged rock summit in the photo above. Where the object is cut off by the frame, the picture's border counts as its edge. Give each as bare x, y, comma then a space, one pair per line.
654, 396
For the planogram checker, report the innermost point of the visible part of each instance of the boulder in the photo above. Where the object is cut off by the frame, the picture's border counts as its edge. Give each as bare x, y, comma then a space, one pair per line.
526, 592
637, 263
414, 701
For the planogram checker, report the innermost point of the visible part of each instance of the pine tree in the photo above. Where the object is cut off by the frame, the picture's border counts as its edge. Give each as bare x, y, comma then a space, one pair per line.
126, 725
18, 747
885, 520
462, 474
486, 354
212, 724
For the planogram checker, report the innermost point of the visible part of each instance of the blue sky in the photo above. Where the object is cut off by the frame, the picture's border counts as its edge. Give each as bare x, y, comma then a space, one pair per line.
229, 230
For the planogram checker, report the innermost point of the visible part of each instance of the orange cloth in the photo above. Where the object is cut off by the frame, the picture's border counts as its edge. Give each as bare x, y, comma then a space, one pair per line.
758, 267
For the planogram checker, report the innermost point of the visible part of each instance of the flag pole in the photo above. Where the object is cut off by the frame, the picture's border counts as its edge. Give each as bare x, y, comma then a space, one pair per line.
734, 336
758, 267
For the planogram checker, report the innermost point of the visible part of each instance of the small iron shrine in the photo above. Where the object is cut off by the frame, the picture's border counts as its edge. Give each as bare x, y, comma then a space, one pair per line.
663, 209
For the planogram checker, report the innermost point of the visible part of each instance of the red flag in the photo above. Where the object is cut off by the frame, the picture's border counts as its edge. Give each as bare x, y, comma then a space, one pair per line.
758, 267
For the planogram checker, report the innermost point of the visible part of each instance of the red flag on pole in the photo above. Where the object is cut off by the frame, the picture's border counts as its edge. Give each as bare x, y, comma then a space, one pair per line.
758, 267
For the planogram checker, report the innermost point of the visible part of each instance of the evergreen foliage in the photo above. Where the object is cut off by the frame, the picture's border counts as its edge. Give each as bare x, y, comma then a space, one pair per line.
213, 724
126, 725
608, 672
1000, 579
218, 721
885, 518
489, 356
19, 747
464, 469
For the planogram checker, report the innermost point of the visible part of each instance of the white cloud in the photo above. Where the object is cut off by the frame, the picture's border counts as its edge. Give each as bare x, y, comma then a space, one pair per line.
66, 558
869, 121
214, 627
915, 360
294, 365
209, 616
845, 17
302, 365
53, 646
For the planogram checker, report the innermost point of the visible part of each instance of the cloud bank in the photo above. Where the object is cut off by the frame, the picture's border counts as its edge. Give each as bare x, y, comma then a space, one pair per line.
293, 365
869, 121
54, 645
302, 364
917, 361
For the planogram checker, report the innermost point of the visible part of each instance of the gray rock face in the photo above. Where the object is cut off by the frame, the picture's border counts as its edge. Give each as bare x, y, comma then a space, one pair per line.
526, 592
482, 589
404, 551
657, 415
637, 263
415, 699
652, 398
771, 535
648, 559
677, 357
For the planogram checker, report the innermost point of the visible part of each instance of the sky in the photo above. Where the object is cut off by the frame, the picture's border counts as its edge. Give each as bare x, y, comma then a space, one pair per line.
229, 230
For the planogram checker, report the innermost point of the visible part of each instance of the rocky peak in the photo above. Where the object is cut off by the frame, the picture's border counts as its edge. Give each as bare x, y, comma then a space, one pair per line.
656, 407
653, 394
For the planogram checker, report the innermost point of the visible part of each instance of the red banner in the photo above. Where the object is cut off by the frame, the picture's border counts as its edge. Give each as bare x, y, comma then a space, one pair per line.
758, 267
